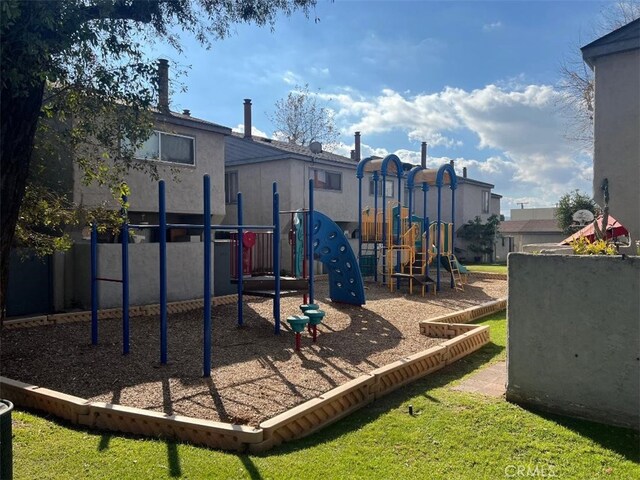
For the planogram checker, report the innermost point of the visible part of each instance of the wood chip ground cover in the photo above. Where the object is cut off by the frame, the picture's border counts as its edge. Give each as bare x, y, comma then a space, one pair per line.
255, 374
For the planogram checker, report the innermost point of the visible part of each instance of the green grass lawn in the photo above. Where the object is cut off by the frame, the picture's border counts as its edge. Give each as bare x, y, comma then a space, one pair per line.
487, 268
452, 435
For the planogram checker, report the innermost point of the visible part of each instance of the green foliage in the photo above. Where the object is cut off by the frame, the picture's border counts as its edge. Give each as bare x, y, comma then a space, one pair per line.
480, 235
569, 204
84, 65
583, 246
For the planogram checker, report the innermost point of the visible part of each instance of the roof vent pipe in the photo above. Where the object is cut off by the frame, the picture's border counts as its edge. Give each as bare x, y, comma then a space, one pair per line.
423, 158
353, 154
186, 112
247, 118
357, 147
163, 85
464, 172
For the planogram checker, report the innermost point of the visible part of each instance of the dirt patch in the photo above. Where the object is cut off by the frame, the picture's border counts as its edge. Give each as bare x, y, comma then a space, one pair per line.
255, 374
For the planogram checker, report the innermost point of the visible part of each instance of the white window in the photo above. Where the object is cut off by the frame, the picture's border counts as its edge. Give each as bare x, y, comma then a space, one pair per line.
486, 195
388, 190
326, 180
231, 187
168, 147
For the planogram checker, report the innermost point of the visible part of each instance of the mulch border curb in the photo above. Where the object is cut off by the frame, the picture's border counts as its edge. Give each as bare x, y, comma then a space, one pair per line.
293, 424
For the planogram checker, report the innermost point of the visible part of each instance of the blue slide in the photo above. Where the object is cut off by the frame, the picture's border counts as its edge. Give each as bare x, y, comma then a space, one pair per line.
332, 248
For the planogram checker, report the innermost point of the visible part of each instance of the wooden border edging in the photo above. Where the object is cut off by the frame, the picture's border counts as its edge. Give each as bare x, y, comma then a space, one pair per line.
298, 422
109, 313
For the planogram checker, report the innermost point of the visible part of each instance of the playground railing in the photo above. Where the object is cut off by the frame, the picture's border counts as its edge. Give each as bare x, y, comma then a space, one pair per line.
257, 259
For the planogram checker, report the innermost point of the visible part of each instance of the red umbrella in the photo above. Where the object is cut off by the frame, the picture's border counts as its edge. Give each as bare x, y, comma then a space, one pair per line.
614, 229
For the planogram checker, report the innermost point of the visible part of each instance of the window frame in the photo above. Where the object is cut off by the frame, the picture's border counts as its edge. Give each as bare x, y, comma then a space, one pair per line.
388, 181
486, 201
228, 200
312, 176
160, 133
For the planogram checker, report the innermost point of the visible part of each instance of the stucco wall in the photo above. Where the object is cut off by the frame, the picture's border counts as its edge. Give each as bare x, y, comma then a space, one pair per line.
184, 273
617, 137
574, 335
184, 193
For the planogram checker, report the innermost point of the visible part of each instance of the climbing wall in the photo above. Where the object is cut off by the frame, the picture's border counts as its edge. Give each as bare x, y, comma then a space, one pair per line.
332, 248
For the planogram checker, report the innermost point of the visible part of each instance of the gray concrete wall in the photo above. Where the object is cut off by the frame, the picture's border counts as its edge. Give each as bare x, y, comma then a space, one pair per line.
184, 273
183, 187
617, 142
574, 335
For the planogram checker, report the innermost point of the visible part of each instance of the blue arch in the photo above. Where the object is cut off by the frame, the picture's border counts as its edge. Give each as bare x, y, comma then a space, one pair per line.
360, 168
446, 168
412, 176
332, 248
385, 165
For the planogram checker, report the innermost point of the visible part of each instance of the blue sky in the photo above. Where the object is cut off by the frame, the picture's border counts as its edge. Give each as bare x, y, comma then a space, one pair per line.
477, 80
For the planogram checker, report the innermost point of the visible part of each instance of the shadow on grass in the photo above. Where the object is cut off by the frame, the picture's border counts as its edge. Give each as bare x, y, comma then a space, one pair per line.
623, 441
394, 400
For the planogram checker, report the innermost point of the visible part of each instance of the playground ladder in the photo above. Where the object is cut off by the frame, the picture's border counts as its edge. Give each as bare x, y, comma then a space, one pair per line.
455, 272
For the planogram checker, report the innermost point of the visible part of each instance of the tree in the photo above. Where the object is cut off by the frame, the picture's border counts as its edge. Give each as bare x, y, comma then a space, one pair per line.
301, 120
569, 204
480, 236
83, 61
577, 79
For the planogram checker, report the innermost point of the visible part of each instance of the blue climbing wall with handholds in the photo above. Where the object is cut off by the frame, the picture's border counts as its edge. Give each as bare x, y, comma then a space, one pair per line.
332, 248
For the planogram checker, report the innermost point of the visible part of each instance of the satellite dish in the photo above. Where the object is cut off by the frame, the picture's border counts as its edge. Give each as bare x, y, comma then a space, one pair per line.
315, 147
582, 217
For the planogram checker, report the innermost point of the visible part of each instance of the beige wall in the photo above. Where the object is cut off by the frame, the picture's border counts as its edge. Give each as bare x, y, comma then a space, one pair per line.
184, 193
617, 136
533, 213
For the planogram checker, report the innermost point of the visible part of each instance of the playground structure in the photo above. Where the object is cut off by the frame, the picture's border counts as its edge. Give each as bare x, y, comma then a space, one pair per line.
395, 244
323, 241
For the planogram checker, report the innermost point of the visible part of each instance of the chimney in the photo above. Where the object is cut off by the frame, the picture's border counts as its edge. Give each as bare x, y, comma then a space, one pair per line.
247, 118
353, 154
464, 172
163, 85
357, 159
423, 159
452, 165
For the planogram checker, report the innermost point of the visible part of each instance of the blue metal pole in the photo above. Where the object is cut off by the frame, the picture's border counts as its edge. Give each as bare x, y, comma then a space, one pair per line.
311, 228
276, 257
375, 227
425, 223
206, 338
94, 284
360, 221
453, 226
125, 277
163, 272
239, 260
398, 229
438, 236
384, 229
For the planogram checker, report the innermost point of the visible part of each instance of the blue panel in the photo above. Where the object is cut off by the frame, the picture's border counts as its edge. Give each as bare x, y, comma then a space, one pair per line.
332, 248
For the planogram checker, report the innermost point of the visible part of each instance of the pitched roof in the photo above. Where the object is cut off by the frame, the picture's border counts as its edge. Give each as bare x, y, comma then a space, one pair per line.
530, 226
176, 118
623, 39
260, 149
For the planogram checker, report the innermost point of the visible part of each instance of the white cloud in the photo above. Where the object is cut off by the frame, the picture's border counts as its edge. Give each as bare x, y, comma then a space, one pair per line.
520, 128
487, 27
254, 131
291, 78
